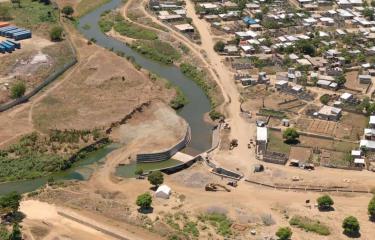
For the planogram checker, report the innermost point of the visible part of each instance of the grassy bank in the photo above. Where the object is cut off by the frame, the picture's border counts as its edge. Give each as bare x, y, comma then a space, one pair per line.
86, 6
113, 19
157, 50
309, 225
199, 77
37, 155
33, 15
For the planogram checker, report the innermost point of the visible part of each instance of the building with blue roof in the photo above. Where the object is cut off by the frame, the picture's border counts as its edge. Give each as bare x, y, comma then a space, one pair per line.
249, 21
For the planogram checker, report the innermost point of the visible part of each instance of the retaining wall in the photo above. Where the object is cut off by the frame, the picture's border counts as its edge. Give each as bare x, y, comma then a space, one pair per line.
167, 154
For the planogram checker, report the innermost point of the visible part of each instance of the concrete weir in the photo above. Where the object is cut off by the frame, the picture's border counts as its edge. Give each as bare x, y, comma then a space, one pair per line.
168, 153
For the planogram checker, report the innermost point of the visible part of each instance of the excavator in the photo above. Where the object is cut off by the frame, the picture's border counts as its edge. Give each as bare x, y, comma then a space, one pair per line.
213, 187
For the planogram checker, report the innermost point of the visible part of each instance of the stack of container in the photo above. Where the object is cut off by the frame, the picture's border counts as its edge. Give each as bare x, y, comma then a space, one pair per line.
15, 33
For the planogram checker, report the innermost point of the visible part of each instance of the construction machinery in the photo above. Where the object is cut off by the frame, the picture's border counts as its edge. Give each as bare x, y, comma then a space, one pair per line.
213, 187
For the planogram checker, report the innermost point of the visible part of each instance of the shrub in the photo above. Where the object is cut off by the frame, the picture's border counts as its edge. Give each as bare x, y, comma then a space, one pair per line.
220, 221
56, 33
325, 202
309, 225
351, 226
214, 115
18, 90
68, 10
144, 200
371, 208
284, 233
324, 99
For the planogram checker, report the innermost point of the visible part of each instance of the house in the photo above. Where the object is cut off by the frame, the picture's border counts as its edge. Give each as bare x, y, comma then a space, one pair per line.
369, 133
359, 162
372, 122
346, 97
184, 28
364, 79
249, 21
282, 84
262, 135
163, 191
356, 153
248, 81
231, 49
330, 113
297, 89
367, 144
263, 78
326, 84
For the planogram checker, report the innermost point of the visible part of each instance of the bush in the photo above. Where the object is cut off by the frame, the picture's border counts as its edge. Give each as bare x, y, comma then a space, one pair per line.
284, 233
309, 225
351, 226
324, 99
17, 90
68, 10
290, 135
9, 203
144, 200
156, 178
219, 46
325, 202
371, 208
56, 33
220, 221
215, 115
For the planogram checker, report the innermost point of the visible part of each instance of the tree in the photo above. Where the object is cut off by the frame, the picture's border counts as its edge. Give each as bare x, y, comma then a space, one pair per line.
369, 13
290, 135
284, 233
155, 178
9, 203
371, 208
340, 80
68, 11
144, 200
351, 226
324, 99
138, 171
325, 202
16, 233
17, 90
219, 46
56, 33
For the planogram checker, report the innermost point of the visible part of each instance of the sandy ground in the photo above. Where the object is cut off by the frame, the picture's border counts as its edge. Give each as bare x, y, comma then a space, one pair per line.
49, 224
158, 123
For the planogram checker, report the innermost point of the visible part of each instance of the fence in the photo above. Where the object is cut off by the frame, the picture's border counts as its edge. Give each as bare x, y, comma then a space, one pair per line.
309, 188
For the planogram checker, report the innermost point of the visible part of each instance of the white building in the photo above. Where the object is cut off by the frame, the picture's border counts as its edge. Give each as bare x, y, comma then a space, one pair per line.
163, 191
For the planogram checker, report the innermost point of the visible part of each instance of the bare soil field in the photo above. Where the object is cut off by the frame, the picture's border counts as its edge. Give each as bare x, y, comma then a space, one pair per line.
300, 153
97, 93
352, 81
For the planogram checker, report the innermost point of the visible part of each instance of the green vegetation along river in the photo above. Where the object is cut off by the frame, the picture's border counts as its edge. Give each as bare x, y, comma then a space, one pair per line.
128, 170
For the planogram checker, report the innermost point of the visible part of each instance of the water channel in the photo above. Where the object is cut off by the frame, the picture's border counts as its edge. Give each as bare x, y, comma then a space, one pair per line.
192, 112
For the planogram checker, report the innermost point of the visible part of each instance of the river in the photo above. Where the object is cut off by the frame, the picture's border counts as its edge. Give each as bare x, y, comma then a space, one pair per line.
192, 112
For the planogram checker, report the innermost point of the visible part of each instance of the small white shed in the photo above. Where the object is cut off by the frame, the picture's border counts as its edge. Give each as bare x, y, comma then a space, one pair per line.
163, 191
